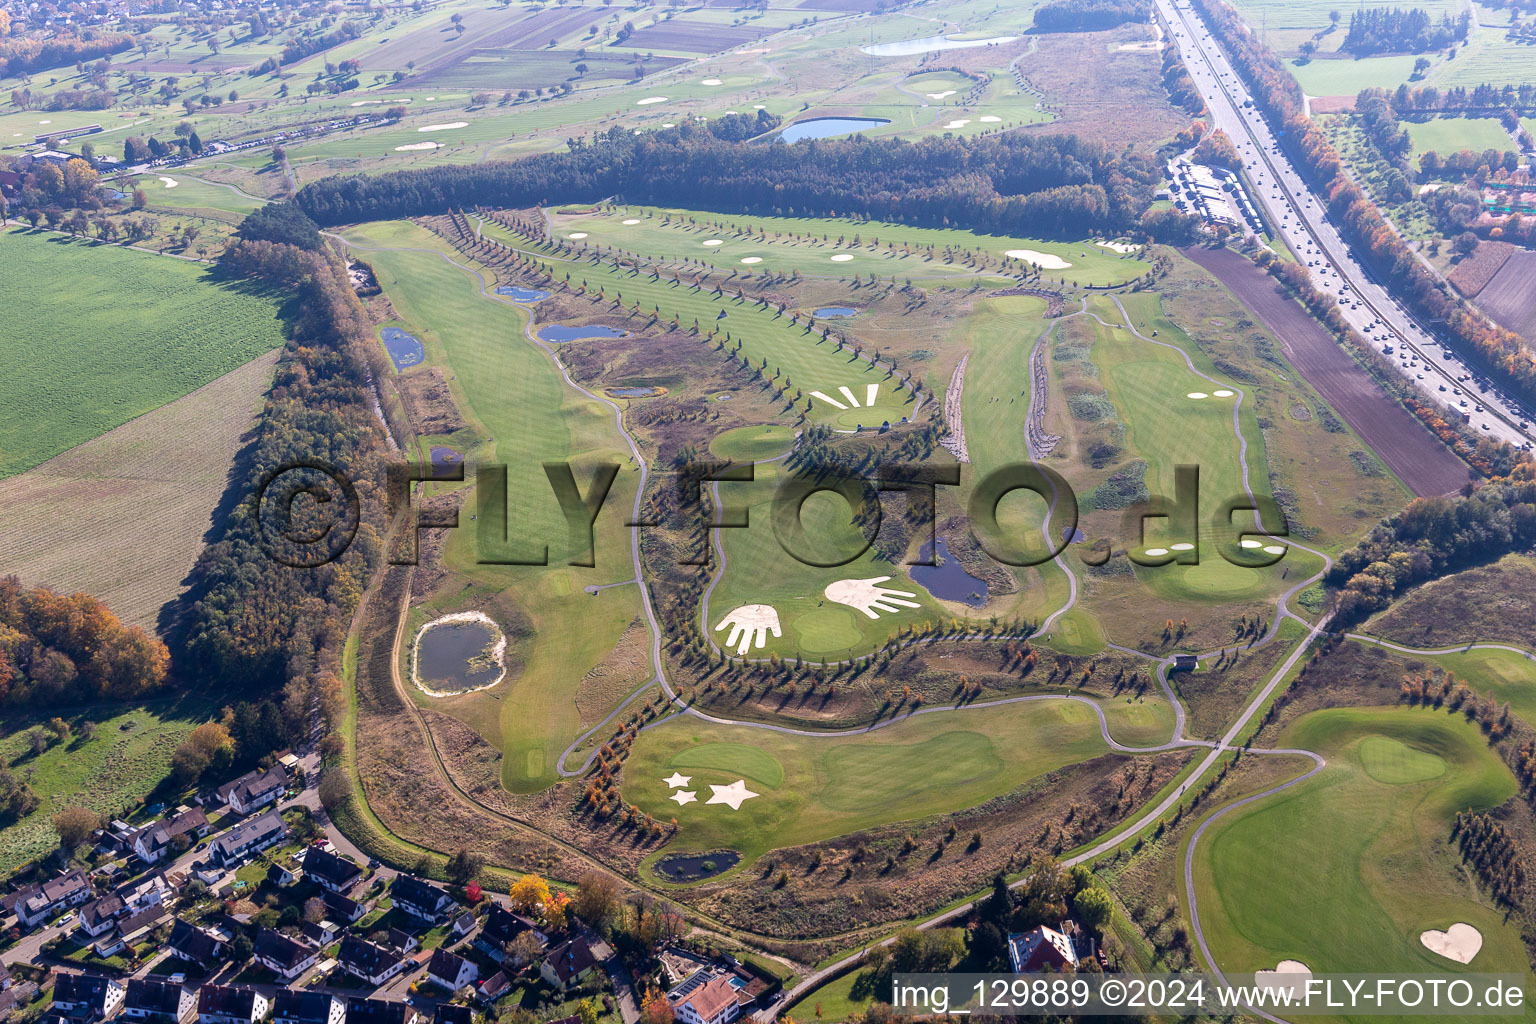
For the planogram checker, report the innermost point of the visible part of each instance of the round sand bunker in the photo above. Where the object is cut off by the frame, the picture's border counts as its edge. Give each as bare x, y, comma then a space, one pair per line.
712, 242
751, 259
1288, 976
1459, 942
1044, 260
1197, 395
1223, 393
630, 220
577, 235
712, 81
841, 257
462, 652
417, 145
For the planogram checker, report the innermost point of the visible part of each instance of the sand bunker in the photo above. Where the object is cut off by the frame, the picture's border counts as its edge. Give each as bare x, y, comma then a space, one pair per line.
649, 100
1044, 260
1197, 394
169, 182
751, 259
1273, 549
712, 81
959, 122
712, 242
630, 220
1181, 547
941, 95
443, 127
1223, 393
759, 106
577, 234
45, 122
1157, 552
497, 653
417, 145
1120, 247
363, 103
1288, 976
841, 257
990, 119
669, 124
1459, 942
1251, 543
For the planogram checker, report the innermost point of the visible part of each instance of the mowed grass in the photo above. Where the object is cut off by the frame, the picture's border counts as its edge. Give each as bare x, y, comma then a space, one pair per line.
1447, 135
100, 334
816, 787
1507, 675
123, 516
1344, 871
521, 415
127, 759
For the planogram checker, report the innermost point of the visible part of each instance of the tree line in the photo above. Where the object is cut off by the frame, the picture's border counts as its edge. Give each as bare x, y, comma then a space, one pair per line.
28, 54
1089, 15
1052, 185
70, 649
1400, 30
1278, 95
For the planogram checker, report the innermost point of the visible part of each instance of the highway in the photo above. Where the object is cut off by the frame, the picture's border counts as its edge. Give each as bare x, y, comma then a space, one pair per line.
1300, 219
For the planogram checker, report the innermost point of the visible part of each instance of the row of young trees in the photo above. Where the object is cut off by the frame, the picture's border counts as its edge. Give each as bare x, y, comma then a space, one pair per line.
70, 649
1400, 30
1054, 185
1279, 96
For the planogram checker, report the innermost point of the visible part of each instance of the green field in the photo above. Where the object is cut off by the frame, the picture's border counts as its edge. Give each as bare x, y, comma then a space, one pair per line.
1447, 135
101, 334
1344, 871
817, 787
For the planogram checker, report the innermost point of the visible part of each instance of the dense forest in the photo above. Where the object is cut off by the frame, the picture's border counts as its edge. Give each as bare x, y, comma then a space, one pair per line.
26, 54
1399, 30
1089, 15
1279, 96
260, 617
57, 649
1052, 185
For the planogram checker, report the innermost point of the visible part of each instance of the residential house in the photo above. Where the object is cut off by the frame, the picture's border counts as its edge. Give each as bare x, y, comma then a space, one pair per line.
381, 1011
162, 1002
70, 889
463, 924
451, 971
253, 790
296, 1006
501, 927
248, 838
344, 909
370, 962
283, 956
319, 934
130, 931
176, 832
399, 938
1042, 948
329, 871
453, 1013
194, 945
86, 997
230, 1004
99, 917
420, 898
6, 981
568, 963
705, 998
496, 986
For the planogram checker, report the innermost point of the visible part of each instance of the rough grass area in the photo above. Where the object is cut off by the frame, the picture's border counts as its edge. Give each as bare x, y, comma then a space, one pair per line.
102, 334
123, 516
1482, 605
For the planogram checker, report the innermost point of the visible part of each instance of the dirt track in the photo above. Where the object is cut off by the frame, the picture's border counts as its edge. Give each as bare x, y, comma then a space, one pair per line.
1418, 458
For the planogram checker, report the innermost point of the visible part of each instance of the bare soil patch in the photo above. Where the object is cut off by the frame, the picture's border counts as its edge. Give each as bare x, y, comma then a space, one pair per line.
1472, 274
1104, 93
1510, 297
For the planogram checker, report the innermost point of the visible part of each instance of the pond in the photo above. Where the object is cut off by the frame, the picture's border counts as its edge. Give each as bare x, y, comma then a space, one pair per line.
634, 392
458, 653
948, 581
826, 127
558, 333
404, 349
908, 47
826, 311
693, 867
444, 459
517, 294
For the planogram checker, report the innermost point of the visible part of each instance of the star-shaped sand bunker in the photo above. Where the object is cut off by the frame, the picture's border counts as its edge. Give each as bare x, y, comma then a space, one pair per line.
733, 794
683, 796
676, 781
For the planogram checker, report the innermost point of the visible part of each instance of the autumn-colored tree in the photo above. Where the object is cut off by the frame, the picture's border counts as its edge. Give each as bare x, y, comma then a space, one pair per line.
529, 894
656, 1010
74, 826
207, 746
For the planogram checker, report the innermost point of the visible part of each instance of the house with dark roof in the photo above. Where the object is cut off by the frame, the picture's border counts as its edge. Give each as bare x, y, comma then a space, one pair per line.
253, 790
177, 831
343, 908
57, 894
162, 1002
463, 924
248, 838
494, 987
566, 964
381, 1011
450, 971
453, 1013
1042, 948
194, 945
329, 871
283, 956
300, 1006
130, 931
420, 898
230, 1004
86, 997
99, 917
372, 963
712, 1002
318, 933
501, 927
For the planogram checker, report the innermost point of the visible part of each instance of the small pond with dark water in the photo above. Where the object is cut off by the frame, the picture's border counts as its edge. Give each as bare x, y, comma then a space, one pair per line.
693, 867
826, 311
444, 459
404, 349
635, 392
948, 581
558, 333
454, 656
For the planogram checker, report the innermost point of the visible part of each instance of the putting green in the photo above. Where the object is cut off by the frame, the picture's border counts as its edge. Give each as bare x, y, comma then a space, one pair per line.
1344, 871
1395, 763
833, 785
